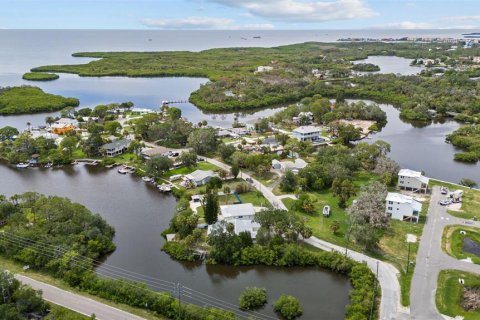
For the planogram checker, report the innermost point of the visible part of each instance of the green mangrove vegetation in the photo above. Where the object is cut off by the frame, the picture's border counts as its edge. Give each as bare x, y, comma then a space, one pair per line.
366, 67
40, 76
26, 99
299, 71
468, 139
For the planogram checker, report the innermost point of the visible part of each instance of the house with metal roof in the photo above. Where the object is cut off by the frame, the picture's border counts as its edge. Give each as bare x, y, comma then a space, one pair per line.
402, 207
307, 133
200, 177
412, 180
115, 148
241, 216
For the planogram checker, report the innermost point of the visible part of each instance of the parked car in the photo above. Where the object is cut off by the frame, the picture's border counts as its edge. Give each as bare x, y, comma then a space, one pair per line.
444, 190
445, 202
249, 180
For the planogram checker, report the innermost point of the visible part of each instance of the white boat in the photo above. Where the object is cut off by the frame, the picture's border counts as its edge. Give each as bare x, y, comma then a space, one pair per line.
164, 188
326, 211
22, 165
147, 179
123, 170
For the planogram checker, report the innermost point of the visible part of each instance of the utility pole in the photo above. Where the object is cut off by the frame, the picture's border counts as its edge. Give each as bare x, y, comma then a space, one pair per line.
408, 256
374, 294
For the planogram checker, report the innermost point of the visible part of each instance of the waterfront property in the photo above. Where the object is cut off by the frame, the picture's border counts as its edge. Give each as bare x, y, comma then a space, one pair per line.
402, 207
307, 133
200, 177
412, 180
115, 148
242, 216
64, 125
155, 152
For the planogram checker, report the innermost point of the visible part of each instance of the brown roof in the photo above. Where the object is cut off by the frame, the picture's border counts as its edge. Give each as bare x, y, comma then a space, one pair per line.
155, 151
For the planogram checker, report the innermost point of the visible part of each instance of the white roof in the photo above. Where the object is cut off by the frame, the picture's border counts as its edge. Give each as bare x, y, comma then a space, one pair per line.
199, 175
401, 198
307, 129
413, 174
246, 225
236, 210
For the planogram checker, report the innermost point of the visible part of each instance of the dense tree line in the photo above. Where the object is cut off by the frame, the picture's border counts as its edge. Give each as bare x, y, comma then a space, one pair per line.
467, 138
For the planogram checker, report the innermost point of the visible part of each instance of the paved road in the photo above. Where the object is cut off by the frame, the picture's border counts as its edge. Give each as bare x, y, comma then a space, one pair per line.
431, 260
267, 193
77, 302
390, 306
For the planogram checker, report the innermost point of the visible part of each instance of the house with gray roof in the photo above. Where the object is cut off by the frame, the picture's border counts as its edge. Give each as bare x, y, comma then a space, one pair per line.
200, 177
115, 148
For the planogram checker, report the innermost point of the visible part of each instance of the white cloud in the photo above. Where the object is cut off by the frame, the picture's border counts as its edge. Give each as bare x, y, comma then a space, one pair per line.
202, 23
407, 25
188, 23
302, 11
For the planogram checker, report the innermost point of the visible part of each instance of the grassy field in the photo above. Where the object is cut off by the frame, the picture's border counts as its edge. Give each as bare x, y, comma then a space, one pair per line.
187, 170
393, 247
470, 202
17, 268
452, 241
449, 293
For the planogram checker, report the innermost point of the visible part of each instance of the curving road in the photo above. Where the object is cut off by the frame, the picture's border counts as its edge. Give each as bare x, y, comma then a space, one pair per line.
78, 303
390, 305
431, 260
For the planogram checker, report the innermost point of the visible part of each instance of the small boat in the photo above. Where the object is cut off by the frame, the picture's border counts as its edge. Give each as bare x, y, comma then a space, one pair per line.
165, 188
123, 170
257, 37
22, 165
92, 163
147, 179
49, 165
326, 211
74, 163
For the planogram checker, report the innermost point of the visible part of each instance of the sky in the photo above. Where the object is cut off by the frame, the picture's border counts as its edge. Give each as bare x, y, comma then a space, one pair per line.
239, 14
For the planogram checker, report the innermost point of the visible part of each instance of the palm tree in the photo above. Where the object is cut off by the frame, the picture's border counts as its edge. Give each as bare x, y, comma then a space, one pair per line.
49, 120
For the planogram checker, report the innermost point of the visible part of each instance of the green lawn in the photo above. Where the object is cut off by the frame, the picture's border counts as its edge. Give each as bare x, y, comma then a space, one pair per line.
393, 247
452, 241
186, 170
470, 202
449, 293
40, 276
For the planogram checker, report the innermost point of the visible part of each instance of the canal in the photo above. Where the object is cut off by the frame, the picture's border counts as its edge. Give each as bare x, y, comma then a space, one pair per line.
139, 213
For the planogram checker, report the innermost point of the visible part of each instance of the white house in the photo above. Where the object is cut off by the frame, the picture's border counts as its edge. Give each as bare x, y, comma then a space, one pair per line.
402, 207
200, 177
242, 217
412, 180
307, 133
294, 166
116, 147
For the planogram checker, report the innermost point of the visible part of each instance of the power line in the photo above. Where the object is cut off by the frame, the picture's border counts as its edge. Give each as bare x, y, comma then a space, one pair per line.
116, 272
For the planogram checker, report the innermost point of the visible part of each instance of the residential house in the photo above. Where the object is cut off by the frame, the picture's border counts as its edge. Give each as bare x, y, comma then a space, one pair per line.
307, 133
242, 216
115, 148
476, 59
200, 177
294, 166
412, 180
149, 153
402, 207
64, 125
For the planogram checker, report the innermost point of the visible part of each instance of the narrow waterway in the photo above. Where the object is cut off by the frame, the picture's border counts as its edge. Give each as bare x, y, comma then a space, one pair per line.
139, 213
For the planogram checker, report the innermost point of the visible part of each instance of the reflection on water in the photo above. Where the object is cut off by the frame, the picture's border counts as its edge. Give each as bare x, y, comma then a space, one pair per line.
471, 246
139, 213
391, 64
